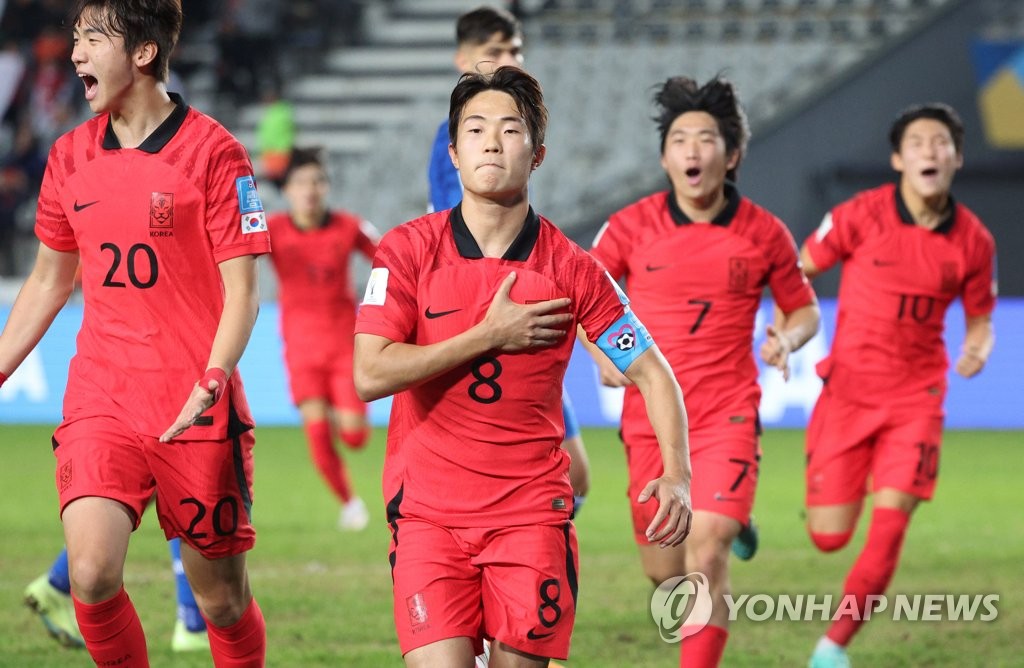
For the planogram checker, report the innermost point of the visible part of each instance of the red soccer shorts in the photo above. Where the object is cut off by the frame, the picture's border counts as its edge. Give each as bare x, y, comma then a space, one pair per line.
331, 381
204, 488
725, 459
897, 444
516, 585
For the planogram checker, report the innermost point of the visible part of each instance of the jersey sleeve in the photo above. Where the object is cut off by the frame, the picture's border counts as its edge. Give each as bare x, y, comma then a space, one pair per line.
835, 238
367, 238
790, 288
444, 183
52, 226
236, 222
599, 300
611, 247
980, 283
389, 308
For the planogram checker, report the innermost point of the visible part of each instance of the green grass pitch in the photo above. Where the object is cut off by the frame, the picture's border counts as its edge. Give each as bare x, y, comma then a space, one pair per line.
326, 594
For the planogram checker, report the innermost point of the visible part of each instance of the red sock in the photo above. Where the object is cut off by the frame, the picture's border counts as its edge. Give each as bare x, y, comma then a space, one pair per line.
326, 459
873, 569
112, 631
241, 645
704, 648
354, 438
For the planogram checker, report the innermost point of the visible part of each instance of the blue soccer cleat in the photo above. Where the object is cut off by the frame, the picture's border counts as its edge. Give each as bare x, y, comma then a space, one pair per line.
828, 654
744, 545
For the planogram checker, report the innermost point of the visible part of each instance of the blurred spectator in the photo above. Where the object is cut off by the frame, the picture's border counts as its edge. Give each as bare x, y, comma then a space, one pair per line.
52, 87
249, 32
24, 20
21, 170
275, 137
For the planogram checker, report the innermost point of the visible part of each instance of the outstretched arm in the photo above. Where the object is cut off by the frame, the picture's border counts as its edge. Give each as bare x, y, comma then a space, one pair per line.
44, 293
383, 367
241, 305
652, 375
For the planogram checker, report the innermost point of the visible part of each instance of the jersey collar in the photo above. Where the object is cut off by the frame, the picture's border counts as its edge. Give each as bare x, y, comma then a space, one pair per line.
163, 134
520, 249
724, 217
907, 219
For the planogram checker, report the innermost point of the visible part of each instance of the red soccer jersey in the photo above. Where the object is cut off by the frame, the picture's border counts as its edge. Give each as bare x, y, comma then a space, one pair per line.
478, 446
897, 281
318, 308
150, 224
697, 288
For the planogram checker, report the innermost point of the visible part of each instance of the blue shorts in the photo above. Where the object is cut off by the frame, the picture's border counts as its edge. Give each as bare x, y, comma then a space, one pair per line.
572, 426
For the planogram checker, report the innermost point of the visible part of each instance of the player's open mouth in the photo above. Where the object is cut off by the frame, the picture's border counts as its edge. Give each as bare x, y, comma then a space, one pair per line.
930, 172
693, 175
91, 84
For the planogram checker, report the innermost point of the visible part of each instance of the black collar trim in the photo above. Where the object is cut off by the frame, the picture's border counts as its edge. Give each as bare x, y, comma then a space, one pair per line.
908, 219
324, 221
160, 137
520, 249
724, 217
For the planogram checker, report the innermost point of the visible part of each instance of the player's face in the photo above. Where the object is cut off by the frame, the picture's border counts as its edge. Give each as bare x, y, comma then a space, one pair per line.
496, 52
101, 63
494, 152
695, 157
927, 159
306, 191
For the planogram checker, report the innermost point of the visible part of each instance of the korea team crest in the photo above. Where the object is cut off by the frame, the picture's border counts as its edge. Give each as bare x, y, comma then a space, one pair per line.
161, 211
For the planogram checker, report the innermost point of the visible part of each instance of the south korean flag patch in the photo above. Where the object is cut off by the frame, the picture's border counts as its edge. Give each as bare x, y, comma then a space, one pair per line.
253, 218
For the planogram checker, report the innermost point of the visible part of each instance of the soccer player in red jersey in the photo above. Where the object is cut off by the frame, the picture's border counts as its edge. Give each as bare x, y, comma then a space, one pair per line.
312, 247
696, 259
464, 320
907, 250
159, 202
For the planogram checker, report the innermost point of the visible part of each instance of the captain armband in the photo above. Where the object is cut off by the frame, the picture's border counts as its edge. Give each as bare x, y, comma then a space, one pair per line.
625, 340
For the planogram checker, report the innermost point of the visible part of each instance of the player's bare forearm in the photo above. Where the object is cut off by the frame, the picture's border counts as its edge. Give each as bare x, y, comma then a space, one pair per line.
44, 293
241, 306
800, 325
979, 340
382, 367
810, 269
653, 376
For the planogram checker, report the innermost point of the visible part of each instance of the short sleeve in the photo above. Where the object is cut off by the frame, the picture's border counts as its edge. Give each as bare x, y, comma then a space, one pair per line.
367, 238
981, 283
52, 226
790, 288
444, 182
598, 300
833, 241
236, 222
612, 247
388, 308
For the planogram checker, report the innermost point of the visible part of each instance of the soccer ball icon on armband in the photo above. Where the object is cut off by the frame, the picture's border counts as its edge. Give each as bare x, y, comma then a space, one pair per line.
626, 340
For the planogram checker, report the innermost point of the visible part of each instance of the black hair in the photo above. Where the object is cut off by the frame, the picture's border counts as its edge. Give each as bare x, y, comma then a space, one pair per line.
524, 89
679, 95
937, 111
477, 26
136, 22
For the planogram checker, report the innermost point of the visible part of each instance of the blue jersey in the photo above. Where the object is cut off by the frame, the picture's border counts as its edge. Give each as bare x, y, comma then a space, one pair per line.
445, 185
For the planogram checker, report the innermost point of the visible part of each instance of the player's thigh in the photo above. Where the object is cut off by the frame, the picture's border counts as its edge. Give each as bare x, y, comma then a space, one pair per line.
216, 580
907, 453
308, 380
530, 586
437, 590
204, 492
839, 448
102, 457
313, 410
343, 395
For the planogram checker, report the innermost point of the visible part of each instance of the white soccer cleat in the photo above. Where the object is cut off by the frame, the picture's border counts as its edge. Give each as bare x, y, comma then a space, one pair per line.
55, 609
354, 516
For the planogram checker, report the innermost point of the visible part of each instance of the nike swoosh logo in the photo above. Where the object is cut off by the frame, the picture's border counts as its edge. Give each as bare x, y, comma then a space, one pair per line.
439, 314
79, 207
537, 636
656, 268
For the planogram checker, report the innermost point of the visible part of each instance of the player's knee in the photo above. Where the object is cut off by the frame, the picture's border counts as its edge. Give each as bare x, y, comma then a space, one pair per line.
830, 542
355, 438
94, 580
